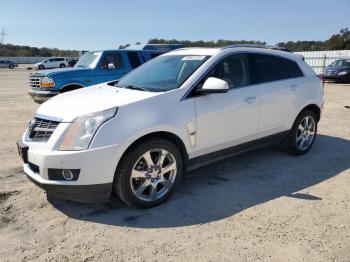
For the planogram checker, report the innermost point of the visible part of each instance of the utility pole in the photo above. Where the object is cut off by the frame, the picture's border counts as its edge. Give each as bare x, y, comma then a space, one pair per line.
2, 34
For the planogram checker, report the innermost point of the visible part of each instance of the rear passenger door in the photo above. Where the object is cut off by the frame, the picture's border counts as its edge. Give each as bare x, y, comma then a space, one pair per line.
277, 90
117, 59
60, 61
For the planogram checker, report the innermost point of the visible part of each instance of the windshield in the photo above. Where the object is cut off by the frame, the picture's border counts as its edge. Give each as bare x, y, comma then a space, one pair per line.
89, 60
340, 63
163, 73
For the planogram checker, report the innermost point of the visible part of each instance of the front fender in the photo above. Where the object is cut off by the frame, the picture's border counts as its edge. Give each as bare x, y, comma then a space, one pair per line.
103, 137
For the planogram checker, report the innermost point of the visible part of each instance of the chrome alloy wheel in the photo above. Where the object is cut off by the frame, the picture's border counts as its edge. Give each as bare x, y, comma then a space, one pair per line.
153, 174
306, 133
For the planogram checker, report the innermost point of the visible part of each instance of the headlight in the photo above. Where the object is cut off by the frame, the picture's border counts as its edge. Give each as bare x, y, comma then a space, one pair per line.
83, 129
47, 82
342, 73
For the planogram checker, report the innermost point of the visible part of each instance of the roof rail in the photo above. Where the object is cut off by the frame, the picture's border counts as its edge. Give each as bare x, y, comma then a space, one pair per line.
258, 46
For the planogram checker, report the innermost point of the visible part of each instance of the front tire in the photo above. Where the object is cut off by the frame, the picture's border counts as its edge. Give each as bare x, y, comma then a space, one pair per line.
41, 67
62, 65
303, 133
149, 173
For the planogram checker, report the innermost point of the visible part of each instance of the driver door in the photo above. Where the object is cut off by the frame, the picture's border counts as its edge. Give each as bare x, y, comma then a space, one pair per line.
108, 74
228, 119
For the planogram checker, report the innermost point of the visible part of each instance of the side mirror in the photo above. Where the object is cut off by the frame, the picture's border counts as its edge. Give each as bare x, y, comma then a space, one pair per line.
111, 66
214, 85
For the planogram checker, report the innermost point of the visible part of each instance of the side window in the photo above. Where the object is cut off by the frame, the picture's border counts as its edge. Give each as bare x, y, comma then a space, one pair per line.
269, 68
293, 69
112, 58
134, 59
233, 69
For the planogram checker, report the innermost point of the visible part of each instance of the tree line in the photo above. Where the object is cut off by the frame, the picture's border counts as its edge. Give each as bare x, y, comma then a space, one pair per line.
339, 41
18, 50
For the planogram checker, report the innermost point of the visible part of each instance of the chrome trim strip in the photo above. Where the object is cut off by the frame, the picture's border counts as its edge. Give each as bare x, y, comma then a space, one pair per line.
51, 118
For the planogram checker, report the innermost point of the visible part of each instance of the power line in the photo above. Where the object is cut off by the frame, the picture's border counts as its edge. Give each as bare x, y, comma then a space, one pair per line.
2, 34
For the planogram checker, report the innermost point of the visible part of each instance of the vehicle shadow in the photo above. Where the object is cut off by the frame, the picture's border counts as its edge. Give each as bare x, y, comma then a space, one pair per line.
222, 189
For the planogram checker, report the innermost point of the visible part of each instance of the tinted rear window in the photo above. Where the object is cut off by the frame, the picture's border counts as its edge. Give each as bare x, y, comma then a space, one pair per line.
269, 68
134, 59
293, 68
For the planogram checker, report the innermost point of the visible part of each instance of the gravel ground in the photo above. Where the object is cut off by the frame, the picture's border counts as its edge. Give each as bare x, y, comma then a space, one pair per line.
260, 206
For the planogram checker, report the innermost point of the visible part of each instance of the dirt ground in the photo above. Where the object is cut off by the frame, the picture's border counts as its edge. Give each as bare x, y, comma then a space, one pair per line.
260, 206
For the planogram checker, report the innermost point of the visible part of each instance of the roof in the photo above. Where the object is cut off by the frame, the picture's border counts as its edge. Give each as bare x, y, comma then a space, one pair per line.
195, 51
148, 47
154, 47
213, 51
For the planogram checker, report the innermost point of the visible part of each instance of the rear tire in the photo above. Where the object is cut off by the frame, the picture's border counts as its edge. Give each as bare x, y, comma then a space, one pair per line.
303, 133
149, 173
11, 66
62, 65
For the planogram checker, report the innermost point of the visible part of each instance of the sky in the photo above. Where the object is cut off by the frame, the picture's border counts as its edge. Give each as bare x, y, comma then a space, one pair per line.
92, 25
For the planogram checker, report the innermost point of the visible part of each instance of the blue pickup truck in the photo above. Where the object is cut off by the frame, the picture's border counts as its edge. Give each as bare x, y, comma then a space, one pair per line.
92, 68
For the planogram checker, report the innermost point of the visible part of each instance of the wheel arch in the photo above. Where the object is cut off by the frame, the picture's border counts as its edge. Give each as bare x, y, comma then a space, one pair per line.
175, 139
314, 108
71, 87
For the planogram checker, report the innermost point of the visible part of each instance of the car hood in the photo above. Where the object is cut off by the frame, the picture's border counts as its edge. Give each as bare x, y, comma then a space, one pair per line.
68, 106
60, 72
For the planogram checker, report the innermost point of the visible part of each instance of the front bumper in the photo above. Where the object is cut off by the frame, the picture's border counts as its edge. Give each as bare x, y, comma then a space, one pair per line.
337, 78
41, 95
84, 193
97, 168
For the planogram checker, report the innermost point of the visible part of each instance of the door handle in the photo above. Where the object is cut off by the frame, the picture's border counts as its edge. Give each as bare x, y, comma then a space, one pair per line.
293, 87
250, 100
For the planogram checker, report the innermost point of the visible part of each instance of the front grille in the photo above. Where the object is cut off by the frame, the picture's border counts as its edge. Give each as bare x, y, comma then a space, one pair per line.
34, 82
41, 129
330, 72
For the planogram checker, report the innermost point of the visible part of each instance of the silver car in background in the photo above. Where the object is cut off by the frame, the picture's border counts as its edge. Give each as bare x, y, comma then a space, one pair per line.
8, 64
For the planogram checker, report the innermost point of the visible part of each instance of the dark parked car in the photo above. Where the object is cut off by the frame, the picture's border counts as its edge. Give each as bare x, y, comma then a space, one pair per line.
8, 64
338, 71
72, 61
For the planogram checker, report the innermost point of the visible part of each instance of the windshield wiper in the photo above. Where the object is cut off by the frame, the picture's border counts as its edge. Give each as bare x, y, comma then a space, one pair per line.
134, 87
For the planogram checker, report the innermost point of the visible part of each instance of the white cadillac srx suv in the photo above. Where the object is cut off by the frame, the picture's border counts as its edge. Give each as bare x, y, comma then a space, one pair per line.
137, 136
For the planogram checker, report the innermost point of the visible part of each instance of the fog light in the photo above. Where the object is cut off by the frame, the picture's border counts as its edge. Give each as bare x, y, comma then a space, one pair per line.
67, 174
63, 174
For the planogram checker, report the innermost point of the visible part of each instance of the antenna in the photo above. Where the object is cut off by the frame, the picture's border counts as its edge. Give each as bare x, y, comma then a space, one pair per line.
2, 34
